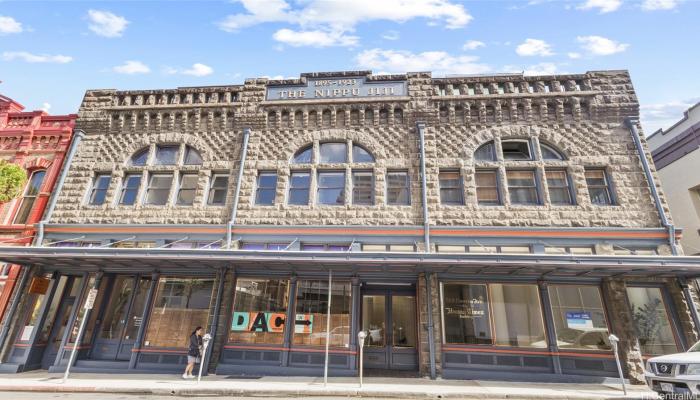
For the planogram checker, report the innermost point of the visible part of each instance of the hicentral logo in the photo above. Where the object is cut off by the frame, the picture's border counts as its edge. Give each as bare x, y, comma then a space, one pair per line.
345, 87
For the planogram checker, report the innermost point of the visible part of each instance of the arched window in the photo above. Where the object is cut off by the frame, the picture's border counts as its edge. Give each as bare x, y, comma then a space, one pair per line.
192, 156
330, 180
360, 155
550, 153
486, 152
303, 156
444, 115
516, 149
139, 158
29, 197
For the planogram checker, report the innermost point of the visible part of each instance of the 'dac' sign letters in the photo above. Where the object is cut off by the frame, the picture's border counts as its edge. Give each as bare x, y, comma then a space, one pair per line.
268, 322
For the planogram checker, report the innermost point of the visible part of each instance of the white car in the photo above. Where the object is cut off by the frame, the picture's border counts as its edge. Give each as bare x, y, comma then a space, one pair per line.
675, 373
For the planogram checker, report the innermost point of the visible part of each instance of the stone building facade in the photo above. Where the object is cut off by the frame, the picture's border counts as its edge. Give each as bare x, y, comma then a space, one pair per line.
38, 142
477, 226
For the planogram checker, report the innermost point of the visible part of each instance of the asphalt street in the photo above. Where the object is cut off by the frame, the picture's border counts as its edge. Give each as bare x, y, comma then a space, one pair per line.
107, 396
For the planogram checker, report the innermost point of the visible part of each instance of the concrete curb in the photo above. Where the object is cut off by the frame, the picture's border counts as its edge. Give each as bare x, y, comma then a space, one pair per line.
305, 393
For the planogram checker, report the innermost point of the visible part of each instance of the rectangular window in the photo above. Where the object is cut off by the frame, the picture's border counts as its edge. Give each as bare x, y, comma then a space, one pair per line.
259, 311
568, 250
362, 187
559, 188
325, 247
130, 189
451, 188
598, 187
30, 194
331, 188
465, 309
449, 248
487, 188
99, 189
398, 191
187, 189
264, 246
299, 184
516, 150
651, 320
312, 313
333, 153
579, 317
217, 189
158, 191
483, 249
266, 188
522, 186
517, 315
180, 305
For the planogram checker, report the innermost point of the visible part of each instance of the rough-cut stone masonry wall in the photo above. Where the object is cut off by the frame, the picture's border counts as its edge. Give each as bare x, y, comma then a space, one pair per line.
585, 122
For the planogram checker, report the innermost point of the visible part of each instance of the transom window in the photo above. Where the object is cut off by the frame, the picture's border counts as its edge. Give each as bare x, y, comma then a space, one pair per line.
166, 154
516, 150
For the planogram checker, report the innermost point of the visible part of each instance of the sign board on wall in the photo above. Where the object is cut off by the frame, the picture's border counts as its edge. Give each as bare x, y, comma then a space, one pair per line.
579, 320
337, 88
39, 285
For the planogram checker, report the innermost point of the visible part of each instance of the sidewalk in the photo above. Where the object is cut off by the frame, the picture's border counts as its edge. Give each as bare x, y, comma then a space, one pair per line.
399, 388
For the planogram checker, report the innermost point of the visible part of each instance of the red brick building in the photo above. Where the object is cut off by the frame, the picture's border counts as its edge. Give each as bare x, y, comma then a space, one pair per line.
38, 142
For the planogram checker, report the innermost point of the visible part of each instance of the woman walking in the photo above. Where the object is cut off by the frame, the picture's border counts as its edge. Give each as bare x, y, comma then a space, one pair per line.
194, 352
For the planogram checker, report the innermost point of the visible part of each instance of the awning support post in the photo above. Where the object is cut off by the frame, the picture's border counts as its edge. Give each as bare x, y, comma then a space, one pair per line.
328, 327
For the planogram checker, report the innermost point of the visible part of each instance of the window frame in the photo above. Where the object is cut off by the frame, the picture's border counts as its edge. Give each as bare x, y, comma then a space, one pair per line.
160, 146
179, 190
319, 187
407, 187
492, 153
94, 189
149, 188
16, 220
124, 188
499, 195
527, 142
259, 188
537, 187
609, 188
459, 187
211, 189
345, 153
603, 305
569, 186
355, 172
293, 188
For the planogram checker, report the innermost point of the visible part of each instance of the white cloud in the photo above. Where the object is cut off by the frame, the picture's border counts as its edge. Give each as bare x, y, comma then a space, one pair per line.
664, 115
132, 67
544, 68
391, 35
534, 47
439, 62
45, 107
473, 45
603, 6
600, 46
107, 24
341, 16
36, 58
573, 55
314, 38
198, 69
9, 25
653, 5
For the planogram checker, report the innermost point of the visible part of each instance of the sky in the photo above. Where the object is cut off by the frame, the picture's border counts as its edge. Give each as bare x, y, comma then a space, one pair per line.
52, 51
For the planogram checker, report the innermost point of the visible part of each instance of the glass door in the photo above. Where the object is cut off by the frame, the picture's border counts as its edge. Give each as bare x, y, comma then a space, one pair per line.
389, 318
60, 322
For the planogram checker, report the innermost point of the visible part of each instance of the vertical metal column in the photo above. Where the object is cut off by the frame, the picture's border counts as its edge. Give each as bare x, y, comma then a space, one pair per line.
289, 326
215, 318
328, 326
549, 324
138, 343
420, 126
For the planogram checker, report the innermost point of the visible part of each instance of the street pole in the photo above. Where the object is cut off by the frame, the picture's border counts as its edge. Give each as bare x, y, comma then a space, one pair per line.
205, 341
614, 340
361, 339
89, 303
328, 327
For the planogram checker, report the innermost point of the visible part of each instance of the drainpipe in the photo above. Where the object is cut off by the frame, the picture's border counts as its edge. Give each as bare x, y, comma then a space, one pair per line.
244, 153
78, 135
426, 238
426, 216
631, 124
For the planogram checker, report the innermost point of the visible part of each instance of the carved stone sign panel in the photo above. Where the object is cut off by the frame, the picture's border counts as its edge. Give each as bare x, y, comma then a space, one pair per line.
342, 87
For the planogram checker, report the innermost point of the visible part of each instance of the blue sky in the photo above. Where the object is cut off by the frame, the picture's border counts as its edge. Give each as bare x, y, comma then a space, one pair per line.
52, 51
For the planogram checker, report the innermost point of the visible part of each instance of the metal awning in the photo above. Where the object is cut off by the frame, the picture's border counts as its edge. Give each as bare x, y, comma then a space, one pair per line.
513, 265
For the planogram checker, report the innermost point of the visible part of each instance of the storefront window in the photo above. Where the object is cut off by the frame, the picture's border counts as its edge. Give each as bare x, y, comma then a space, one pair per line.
259, 311
651, 320
579, 317
181, 305
35, 312
517, 315
312, 312
466, 314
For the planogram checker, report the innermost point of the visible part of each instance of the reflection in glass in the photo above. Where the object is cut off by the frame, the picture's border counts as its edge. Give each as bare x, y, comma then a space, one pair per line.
517, 315
333, 153
312, 309
651, 320
259, 311
466, 313
579, 317
373, 320
331, 188
403, 316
